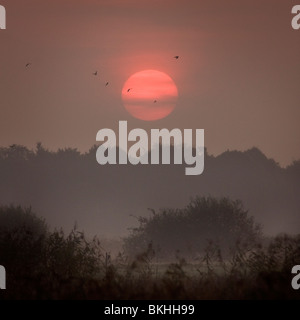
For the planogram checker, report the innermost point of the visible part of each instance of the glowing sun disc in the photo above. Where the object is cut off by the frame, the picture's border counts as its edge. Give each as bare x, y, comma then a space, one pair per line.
149, 95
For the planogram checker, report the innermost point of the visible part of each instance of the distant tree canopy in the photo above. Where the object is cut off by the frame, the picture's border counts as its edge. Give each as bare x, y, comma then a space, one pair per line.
64, 183
190, 229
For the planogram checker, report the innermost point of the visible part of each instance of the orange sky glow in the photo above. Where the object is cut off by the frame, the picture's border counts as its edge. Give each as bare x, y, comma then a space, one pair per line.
237, 75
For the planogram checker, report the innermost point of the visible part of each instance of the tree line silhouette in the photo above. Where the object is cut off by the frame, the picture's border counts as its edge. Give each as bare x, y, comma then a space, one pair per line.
66, 186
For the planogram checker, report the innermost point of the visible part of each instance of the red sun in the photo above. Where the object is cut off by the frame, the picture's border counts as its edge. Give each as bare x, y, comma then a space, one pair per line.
149, 95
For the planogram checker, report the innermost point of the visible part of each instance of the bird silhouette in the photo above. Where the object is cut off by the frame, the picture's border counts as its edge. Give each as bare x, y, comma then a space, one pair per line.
95, 73
128, 90
154, 101
152, 210
27, 64
176, 57
106, 84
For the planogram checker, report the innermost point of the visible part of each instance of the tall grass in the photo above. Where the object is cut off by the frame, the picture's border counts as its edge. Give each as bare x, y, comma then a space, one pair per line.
43, 264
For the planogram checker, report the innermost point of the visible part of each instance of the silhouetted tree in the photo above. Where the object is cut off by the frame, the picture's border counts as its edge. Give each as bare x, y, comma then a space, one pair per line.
188, 230
37, 258
22, 239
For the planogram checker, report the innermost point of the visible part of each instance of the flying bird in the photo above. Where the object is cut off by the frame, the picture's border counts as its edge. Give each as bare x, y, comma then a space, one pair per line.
28, 64
152, 210
128, 90
106, 84
176, 57
154, 101
95, 73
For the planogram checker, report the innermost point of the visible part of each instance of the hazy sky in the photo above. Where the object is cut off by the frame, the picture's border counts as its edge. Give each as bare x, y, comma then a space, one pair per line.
238, 75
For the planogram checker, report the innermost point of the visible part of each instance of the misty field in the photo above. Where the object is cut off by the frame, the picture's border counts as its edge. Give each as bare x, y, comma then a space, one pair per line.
46, 264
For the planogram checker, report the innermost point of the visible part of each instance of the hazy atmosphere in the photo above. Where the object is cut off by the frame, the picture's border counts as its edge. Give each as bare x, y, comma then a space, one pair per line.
237, 75
73, 228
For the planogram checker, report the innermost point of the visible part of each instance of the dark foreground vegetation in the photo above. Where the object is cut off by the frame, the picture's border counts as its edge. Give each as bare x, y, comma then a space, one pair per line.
239, 264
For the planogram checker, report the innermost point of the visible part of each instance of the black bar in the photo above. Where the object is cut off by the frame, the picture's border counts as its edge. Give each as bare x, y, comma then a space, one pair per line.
144, 309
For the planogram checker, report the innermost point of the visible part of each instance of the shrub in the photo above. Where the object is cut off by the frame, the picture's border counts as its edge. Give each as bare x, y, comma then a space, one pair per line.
188, 230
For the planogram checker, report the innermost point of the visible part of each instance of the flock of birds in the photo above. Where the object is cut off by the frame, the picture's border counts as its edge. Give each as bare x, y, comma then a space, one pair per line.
107, 83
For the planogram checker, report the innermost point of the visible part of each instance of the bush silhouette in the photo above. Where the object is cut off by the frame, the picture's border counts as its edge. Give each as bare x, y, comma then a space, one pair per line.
37, 258
188, 230
22, 239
